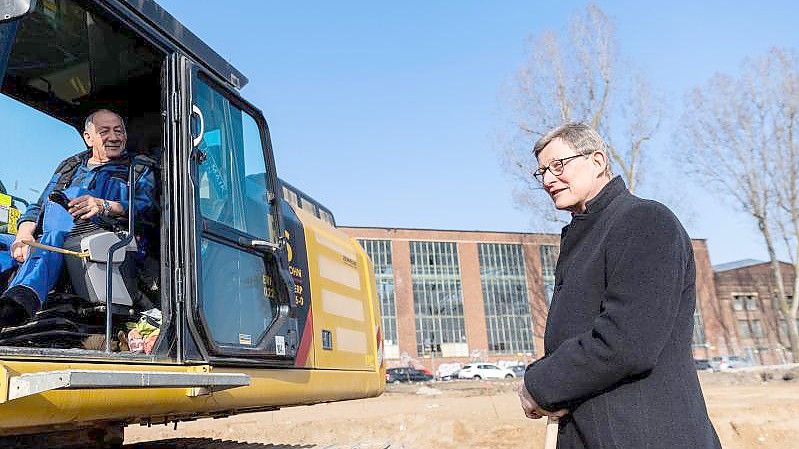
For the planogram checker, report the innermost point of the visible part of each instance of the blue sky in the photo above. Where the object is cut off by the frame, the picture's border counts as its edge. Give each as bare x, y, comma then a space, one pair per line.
388, 113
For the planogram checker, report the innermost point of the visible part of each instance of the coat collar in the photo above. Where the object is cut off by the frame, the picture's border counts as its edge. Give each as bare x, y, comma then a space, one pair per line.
597, 204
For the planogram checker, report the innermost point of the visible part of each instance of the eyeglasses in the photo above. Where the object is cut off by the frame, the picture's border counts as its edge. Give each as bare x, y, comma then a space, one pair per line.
555, 167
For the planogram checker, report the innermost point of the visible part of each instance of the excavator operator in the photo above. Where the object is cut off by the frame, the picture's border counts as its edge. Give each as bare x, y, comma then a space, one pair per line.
87, 194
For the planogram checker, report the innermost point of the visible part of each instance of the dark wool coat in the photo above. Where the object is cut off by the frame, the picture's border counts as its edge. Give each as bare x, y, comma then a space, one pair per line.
619, 331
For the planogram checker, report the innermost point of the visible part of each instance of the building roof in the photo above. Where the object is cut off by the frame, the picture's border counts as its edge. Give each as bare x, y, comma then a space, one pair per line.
557, 234
743, 263
531, 233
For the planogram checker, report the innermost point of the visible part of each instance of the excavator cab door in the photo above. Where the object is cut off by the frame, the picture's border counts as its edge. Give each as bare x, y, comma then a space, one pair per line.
240, 305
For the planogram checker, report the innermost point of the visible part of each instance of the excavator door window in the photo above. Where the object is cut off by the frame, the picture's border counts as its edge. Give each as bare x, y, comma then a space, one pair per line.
242, 296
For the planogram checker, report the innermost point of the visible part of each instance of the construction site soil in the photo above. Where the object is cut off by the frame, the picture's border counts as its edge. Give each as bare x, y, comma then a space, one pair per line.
753, 408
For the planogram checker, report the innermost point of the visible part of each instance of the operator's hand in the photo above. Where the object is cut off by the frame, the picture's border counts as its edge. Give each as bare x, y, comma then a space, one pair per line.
531, 408
85, 207
20, 250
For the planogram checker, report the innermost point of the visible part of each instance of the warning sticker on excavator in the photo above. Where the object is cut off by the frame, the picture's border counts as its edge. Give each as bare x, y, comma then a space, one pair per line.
280, 345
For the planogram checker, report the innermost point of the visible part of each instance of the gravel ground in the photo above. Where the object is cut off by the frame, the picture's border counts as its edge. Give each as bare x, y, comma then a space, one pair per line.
752, 408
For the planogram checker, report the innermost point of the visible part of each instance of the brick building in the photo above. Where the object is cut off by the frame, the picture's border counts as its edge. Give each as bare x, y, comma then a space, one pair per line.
750, 323
457, 296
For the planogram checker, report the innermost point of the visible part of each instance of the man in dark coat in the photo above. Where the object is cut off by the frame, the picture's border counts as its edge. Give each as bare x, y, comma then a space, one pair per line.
618, 367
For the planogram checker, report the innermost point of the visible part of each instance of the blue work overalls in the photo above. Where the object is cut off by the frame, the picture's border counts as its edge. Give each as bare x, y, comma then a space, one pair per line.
41, 270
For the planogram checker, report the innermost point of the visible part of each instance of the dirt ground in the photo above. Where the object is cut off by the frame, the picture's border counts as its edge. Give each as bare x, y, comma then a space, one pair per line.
750, 409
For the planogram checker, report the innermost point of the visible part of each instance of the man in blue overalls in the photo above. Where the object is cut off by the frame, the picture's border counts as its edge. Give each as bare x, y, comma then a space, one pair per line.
95, 183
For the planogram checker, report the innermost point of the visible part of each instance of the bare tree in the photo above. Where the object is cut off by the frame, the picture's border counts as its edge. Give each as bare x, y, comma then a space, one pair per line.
579, 78
740, 136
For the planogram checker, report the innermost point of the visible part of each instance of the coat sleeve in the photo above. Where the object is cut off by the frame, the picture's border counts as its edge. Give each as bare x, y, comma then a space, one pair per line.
647, 256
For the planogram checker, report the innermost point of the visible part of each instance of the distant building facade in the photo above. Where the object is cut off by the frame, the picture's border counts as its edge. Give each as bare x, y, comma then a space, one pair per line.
460, 296
750, 321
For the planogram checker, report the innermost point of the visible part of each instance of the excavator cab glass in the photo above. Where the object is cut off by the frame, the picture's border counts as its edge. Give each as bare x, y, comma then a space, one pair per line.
243, 292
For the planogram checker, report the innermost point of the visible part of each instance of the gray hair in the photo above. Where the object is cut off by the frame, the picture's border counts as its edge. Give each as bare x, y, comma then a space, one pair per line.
579, 136
90, 119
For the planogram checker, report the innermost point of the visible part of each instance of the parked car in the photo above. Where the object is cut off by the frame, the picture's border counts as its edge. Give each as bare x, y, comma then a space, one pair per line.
426, 371
396, 375
728, 362
484, 371
448, 371
518, 370
703, 365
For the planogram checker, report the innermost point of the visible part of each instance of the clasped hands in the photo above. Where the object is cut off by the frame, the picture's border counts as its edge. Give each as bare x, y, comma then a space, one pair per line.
531, 408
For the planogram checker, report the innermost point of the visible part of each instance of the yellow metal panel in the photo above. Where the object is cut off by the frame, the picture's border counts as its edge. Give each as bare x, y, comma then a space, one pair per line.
13, 219
269, 388
8, 213
340, 274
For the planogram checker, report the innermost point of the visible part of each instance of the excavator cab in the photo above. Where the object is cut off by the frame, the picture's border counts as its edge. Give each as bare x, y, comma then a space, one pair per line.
212, 261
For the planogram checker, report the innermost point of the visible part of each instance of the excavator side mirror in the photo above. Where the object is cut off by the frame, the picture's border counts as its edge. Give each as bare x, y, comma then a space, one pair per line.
14, 9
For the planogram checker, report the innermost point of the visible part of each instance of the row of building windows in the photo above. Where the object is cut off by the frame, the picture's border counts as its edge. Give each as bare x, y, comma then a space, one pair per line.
438, 295
753, 328
750, 329
750, 302
741, 302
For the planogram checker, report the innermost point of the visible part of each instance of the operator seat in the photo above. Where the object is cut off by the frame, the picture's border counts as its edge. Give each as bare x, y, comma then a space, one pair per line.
89, 275
77, 307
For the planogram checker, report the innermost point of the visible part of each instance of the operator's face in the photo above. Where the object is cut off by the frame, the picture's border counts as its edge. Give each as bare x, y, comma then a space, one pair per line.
106, 136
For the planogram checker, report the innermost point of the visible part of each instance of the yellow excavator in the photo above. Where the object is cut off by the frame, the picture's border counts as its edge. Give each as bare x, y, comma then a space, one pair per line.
245, 301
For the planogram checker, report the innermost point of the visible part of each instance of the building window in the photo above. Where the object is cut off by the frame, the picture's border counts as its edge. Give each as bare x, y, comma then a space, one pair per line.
699, 328
741, 302
750, 329
783, 328
507, 309
757, 329
549, 259
380, 253
438, 298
